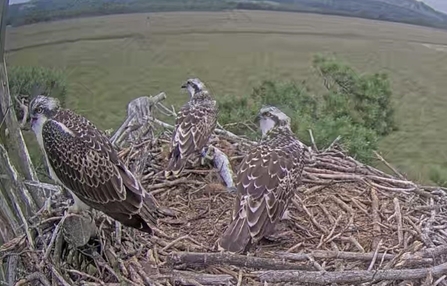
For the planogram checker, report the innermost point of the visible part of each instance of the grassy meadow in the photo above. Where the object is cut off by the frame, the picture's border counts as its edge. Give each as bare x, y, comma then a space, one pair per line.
110, 60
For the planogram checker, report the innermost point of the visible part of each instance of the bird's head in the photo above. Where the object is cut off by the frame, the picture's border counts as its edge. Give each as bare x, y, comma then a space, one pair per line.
194, 86
270, 117
42, 108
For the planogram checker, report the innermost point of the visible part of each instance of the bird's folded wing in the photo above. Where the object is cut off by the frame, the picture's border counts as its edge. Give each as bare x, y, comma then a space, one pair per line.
261, 190
86, 163
194, 125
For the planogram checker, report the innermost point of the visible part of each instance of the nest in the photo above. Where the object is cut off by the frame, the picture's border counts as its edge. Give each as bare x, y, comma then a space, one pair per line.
348, 224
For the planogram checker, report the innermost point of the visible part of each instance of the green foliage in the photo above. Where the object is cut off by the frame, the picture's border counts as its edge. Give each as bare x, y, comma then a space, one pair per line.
438, 175
360, 113
364, 98
24, 80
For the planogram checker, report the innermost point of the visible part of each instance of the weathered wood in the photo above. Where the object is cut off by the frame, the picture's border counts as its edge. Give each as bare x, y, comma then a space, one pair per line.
15, 186
205, 259
4, 5
202, 278
17, 202
13, 139
360, 276
137, 123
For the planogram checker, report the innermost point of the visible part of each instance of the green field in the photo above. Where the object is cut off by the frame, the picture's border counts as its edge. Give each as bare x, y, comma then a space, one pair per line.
110, 60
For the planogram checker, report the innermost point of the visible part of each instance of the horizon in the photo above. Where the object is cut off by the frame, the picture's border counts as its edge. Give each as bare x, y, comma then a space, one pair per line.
439, 5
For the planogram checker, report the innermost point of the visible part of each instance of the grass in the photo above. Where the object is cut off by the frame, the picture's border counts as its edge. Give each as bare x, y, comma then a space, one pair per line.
110, 60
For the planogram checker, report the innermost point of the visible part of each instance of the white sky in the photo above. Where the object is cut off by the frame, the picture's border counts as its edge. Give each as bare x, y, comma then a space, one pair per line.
440, 5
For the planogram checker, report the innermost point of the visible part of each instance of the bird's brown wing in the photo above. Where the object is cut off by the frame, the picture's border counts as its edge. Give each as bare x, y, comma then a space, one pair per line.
194, 125
85, 161
263, 191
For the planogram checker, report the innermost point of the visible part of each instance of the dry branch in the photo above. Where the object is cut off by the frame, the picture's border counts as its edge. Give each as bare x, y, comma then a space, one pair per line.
203, 260
326, 278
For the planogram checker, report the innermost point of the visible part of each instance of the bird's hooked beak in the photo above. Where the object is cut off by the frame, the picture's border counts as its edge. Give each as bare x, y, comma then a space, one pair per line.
185, 85
32, 120
257, 118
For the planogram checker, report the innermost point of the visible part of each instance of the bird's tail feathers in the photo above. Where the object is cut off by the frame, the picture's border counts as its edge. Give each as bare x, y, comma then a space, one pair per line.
236, 238
175, 167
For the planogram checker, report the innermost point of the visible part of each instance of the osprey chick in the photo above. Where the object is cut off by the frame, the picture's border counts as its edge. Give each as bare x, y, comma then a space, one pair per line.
195, 122
81, 158
266, 181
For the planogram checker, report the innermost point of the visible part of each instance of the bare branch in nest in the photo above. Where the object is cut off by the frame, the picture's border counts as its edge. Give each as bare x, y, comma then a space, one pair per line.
206, 259
139, 112
314, 145
203, 278
360, 276
321, 254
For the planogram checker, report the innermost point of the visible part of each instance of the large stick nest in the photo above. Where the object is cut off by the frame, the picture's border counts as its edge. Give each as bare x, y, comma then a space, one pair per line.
348, 224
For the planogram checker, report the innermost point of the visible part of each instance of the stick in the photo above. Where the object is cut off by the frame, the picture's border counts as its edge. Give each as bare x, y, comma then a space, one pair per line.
360, 276
313, 140
207, 259
322, 254
376, 216
389, 166
206, 279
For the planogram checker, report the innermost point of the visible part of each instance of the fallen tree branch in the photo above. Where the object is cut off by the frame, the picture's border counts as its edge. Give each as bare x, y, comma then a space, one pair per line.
360, 276
321, 254
206, 259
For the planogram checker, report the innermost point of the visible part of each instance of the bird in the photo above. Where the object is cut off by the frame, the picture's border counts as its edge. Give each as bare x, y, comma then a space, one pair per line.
194, 124
265, 182
82, 160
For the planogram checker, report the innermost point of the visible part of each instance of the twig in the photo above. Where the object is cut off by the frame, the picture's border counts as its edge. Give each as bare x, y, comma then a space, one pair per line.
53, 237
314, 145
398, 218
389, 165
333, 144
373, 261
59, 276
376, 217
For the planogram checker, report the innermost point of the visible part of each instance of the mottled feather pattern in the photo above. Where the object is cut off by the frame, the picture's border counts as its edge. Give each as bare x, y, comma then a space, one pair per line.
195, 123
266, 181
91, 168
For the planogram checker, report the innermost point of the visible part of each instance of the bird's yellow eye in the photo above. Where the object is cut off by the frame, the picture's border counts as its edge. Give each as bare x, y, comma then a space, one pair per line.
39, 110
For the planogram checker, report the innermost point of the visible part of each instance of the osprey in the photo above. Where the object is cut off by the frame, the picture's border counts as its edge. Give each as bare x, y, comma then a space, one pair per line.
266, 181
195, 122
81, 158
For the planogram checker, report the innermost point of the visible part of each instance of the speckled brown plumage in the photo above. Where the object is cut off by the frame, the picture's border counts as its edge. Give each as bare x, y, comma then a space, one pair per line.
266, 181
195, 122
86, 163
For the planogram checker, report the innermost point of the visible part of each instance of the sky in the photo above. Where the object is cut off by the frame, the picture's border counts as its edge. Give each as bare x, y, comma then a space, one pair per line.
440, 5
